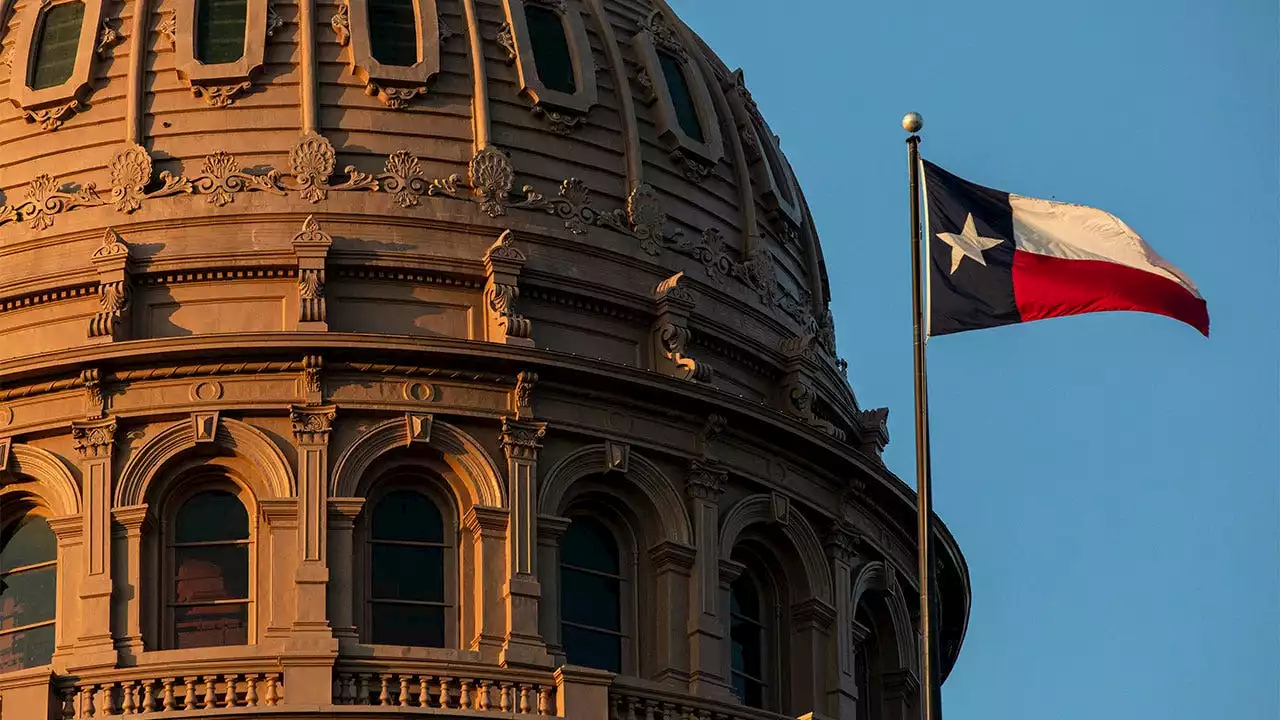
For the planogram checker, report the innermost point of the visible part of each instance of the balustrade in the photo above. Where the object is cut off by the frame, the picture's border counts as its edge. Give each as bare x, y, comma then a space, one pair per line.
153, 695
455, 691
636, 703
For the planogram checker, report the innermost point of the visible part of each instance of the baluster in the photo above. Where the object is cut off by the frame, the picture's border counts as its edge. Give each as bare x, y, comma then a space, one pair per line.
148, 696
210, 698
444, 692
505, 700
464, 695
525, 704
633, 704
404, 691
484, 695
189, 693
167, 701
273, 690
107, 705
650, 706
86, 702
384, 697
127, 705
544, 700
668, 709
349, 690
251, 690
230, 699
68, 710
424, 695
363, 698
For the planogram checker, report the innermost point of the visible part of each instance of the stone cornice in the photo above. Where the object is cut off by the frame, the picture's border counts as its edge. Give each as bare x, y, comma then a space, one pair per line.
133, 518
674, 555
484, 520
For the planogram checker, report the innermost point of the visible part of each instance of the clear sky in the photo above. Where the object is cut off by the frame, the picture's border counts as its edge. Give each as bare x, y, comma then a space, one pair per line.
1113, 479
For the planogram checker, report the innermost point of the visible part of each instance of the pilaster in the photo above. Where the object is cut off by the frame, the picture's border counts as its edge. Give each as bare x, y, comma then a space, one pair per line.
550, 529
69, 532
522, 645
672, 566
342, 519
95, 442
704, 486
311, 428
842, 695
487, 528
131, 523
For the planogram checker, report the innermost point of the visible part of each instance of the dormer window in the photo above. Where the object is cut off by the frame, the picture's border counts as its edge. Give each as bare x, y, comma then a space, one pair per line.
57, 43
220, 30
681, 96
393, 32
550, 48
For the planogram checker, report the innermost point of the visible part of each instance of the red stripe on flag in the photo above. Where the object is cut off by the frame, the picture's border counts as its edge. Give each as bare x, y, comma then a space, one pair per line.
1045, 287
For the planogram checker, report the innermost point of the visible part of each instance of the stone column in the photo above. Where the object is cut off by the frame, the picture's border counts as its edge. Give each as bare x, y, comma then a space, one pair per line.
68, 529
707, 662
810, 625
842, 693
278, 552
522, 645
131, 524
95, 441
487, 527
672, 566
342, 581
550, 529
311, 648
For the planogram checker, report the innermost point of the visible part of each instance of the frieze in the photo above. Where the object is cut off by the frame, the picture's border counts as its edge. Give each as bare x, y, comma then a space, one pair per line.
526, 380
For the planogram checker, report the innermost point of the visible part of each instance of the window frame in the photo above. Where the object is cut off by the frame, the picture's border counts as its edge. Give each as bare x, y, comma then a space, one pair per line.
766, 632
419, 481
771, 165
395, 85
220, 83
169, 568
657, 33
25, 510
585, 94
52, 106
627, 586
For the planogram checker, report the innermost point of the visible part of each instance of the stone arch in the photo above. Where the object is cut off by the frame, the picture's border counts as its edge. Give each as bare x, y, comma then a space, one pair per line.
53, 480
652, 482
878, 577
481, 477
234, 436
760, 509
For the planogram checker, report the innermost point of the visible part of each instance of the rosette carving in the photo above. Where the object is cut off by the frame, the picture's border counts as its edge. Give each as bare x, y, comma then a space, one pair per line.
491, 180
647, 219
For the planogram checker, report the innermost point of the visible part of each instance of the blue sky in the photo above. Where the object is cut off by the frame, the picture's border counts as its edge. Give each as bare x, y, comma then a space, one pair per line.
1114, 479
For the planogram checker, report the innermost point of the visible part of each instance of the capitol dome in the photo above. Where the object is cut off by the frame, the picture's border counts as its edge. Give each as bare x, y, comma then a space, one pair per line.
468, 354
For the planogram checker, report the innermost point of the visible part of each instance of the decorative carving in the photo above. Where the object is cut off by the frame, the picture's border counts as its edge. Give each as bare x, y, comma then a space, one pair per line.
521, 440
403, 176
674, 289
168, 28
221, 179
491, 179
341, 24
94, 439
130, 173
617, 456
646, 84
312, 160
711, 429
648, 221
502, 302
561, 123
274, 21
205, 425
506, 39
826, 334
694, 169
113, 285
874, 426
781, 508
446, 32
525, 382
107, 38
664, 35
504, 248
417, 428
706, 480
674, 342
94, 399
311, 245
396, 98
220, 96
312, 423
52, 118
312, 385
5, 446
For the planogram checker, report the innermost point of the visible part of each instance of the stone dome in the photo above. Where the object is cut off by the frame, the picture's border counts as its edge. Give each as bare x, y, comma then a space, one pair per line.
308, 238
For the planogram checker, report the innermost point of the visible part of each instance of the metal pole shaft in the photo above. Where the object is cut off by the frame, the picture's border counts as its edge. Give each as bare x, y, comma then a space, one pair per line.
929, 670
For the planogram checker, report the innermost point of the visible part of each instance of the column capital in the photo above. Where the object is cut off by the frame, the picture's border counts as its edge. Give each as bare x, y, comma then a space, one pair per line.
671, 555
133, 518
520, 438
345, 509
67, 527
279, 511
94, 438
552, 527
843, 542
730, 570
312, 423
485, 520
706, 480
901, 685
814, 612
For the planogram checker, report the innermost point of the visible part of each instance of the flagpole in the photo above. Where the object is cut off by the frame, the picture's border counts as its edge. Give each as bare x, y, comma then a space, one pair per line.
930, 692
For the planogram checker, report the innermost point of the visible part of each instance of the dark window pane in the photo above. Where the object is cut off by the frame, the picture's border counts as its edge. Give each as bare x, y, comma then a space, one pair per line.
211, 625
747, 647
403, 572
550, 47
26, 649
393, 32
212, 572
744, 599
416, 625
750, 692
407, 515
210, 517
220, 30
27, 542
681, 96
28, 597
56, 46
592, 649
589, 599
588, 544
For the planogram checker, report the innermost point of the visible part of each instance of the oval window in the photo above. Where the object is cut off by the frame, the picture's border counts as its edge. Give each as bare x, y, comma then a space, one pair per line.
393, 32
220, 30
57, 42
681, 96
550, 48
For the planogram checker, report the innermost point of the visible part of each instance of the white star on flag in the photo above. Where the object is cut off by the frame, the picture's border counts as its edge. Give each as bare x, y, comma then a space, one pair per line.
968, 244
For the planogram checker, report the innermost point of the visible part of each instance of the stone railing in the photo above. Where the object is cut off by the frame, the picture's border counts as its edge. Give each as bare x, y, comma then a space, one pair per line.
135, 691
480, 689
631, 699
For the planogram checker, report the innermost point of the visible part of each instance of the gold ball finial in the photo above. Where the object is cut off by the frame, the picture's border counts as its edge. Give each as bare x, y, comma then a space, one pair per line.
912, 122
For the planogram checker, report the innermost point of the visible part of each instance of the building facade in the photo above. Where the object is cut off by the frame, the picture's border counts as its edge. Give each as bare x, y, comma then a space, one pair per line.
381, 358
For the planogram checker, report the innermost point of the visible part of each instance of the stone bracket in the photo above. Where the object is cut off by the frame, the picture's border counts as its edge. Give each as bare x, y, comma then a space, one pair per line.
673, 302
311, 246
112, 264
503, 262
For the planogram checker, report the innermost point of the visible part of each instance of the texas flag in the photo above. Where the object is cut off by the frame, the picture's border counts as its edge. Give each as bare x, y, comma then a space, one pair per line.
997, 259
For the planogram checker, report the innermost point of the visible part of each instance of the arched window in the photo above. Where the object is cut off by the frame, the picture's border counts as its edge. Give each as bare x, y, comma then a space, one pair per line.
681, 96
591, 584
28, 592
220, 30
748, 638
409, 558
393, 32
57, 41
210, 549
550, 48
